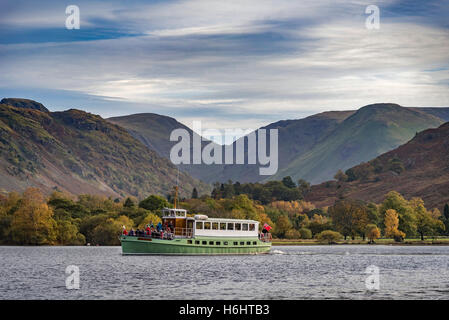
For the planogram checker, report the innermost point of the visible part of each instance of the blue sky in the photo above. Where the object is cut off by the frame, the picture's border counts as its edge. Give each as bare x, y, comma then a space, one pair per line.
230, 63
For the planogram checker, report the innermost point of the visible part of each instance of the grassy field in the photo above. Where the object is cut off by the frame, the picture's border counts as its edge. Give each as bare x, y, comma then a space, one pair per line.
427, 241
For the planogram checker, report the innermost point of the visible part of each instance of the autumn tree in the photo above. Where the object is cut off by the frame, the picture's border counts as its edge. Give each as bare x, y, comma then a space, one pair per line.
32, 222
150, 218
349, 217
394, 200
372, 232
391, 226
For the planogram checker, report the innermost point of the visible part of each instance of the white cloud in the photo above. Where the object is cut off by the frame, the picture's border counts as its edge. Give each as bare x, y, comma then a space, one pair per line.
321, 57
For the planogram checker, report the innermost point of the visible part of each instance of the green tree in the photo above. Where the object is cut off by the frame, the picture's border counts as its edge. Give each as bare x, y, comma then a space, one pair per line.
340, 176
288, 182
292, 234
153, 203
129, 203
283, 224
68, 233
108, 232
303, 187
445, 219
425, 223
194, 193
305, 233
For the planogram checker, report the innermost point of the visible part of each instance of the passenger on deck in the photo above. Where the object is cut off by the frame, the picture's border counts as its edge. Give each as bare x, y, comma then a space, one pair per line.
132, 233
148, 230
124, 231
159, 227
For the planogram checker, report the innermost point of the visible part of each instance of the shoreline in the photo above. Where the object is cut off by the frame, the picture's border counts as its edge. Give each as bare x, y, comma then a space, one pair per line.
410, 242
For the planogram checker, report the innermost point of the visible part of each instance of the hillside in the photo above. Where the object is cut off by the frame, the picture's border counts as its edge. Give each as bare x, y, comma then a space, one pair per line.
419, 168
78, 152
295, 137
154, 130
313, 148
367, 133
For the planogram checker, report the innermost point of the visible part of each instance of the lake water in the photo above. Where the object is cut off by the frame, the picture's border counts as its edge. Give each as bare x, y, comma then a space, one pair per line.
297, 272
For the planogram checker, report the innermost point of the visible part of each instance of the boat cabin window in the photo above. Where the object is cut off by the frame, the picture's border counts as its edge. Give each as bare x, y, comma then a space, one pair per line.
222, 226
218, 243
199, 224
207, 225
248, 243
242, 243
230, 226
211, 243
225, 243
204, 242
214, 225
252, 227
244, 226
235, 243
238, 226
197, 242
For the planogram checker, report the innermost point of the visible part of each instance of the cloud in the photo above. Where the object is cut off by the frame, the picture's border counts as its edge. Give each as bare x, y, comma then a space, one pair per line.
231, 64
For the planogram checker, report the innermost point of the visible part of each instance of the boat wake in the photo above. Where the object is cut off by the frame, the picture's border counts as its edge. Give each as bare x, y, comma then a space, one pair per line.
277, 252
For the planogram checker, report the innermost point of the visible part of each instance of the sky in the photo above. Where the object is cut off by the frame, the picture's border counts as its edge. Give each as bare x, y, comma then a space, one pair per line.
229, 64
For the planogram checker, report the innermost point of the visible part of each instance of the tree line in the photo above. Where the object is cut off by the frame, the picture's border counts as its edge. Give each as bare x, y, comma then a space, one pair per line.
31, 218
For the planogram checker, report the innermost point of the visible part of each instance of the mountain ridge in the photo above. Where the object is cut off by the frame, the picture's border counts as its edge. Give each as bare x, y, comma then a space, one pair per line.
79, 152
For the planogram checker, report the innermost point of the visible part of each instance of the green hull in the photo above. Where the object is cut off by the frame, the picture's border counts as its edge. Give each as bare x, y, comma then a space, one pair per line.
182, 246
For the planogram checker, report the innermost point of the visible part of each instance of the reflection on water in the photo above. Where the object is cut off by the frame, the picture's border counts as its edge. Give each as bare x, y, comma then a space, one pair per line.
296, 272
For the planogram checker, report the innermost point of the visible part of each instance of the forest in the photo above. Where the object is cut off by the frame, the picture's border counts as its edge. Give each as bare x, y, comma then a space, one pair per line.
34, 218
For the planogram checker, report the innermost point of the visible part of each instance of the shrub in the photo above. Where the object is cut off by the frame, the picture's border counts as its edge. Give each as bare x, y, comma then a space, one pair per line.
292, 234
329, 236
305, 233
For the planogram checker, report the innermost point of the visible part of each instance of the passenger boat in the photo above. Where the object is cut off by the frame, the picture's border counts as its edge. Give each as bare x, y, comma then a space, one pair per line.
199, 235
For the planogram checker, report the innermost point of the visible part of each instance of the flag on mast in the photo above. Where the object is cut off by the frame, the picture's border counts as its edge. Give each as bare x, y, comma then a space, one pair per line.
267, 227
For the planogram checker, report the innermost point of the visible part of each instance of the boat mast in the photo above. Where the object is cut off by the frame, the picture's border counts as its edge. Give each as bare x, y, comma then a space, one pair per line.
176, 189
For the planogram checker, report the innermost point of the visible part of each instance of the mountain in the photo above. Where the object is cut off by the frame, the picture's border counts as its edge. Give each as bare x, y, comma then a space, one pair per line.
367, 133
24, 103
295, 136
79, 152
154, 130
313, 148
418, 168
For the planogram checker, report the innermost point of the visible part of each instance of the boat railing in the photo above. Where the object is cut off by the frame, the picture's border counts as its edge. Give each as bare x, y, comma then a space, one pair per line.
184, 232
